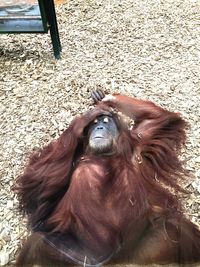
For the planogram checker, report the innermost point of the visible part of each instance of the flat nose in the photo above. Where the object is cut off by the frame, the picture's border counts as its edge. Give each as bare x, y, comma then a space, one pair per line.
99, 127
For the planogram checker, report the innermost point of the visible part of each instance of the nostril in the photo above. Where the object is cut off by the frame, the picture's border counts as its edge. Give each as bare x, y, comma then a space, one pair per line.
99, 127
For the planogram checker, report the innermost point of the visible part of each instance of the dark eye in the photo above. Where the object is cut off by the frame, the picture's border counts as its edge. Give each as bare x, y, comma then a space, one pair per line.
95, 121
105, 120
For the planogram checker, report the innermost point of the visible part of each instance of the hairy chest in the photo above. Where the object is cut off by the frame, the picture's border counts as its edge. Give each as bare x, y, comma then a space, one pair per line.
102, 192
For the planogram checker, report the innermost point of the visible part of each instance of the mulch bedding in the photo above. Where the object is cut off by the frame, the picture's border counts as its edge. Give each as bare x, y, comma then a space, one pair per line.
149, 49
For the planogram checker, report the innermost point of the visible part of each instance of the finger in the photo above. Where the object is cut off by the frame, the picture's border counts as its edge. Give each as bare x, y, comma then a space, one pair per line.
97, 95
94, 96
101, 93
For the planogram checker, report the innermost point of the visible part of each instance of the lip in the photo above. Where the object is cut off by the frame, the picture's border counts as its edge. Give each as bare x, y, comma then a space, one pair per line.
99, 137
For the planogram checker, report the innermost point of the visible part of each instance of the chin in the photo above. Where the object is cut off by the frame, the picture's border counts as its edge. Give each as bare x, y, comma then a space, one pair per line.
100, 145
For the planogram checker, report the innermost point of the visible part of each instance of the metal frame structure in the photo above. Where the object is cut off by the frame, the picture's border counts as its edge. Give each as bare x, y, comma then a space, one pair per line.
38, 24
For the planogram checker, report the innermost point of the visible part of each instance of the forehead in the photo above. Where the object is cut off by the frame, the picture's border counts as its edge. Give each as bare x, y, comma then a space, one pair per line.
102, 117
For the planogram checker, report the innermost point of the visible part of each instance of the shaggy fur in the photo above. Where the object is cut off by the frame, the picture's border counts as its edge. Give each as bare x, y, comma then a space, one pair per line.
121, 207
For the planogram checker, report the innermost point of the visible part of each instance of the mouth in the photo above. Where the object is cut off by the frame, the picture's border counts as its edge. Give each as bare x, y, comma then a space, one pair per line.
100, 137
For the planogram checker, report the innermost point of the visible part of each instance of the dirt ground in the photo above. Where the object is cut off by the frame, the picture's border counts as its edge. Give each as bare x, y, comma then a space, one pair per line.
150, 49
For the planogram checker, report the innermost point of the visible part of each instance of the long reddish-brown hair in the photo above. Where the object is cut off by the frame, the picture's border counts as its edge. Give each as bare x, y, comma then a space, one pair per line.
47, 175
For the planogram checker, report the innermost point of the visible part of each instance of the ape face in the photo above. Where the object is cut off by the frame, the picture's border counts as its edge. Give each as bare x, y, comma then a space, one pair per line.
103, 134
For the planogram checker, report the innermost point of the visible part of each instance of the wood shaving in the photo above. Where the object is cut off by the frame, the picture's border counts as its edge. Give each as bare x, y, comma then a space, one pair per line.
150, 49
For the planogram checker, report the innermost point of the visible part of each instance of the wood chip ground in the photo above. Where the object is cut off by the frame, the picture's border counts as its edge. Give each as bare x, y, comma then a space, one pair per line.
150, 49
